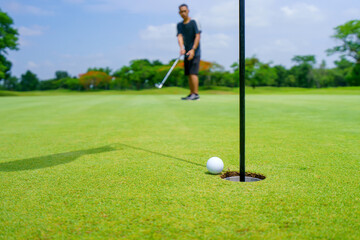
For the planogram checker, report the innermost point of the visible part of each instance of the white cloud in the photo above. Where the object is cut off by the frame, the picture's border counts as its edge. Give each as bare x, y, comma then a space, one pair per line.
352, 12
26, 32
36, 65
303, 11
260, 13
84, 61
48, 63
28, 9
35, 30
23, 42
282, 47
138, 6
222, 15
165, 31
32, 65
219, 47
74, 1
215, 41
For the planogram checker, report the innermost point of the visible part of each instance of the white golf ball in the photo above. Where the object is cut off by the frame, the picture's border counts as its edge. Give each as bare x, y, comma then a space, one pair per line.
215, 165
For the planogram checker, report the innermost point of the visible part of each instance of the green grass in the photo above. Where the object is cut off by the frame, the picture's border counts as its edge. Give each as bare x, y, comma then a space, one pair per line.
115, 166
203, 90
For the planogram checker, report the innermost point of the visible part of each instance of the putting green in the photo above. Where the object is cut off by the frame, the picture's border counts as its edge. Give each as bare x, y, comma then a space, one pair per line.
134, 167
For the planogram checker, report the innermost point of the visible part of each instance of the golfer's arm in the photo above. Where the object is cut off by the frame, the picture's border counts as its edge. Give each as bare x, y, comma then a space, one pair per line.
196, 41
181, 41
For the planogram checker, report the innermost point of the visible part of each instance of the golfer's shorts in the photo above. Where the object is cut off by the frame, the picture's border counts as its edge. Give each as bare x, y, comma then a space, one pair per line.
192, 66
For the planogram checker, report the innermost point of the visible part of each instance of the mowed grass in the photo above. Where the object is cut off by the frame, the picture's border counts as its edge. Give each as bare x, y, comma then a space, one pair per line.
134, 167
204, 90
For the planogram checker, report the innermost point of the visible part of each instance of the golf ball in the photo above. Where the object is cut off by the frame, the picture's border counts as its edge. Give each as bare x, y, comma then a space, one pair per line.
215, 165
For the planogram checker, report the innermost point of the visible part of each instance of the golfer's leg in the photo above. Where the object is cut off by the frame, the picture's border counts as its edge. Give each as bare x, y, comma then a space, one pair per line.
191, 86
194, 79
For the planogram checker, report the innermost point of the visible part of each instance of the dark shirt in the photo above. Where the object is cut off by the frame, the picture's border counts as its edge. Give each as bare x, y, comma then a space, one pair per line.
189, 31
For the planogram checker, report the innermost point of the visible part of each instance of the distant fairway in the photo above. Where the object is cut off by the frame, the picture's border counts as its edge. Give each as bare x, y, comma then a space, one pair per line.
134, 167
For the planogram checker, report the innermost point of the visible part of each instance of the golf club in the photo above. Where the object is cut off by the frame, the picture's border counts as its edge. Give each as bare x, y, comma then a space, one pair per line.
159, 85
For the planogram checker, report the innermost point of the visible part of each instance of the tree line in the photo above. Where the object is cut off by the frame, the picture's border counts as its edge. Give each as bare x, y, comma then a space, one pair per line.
306, 72
143, 74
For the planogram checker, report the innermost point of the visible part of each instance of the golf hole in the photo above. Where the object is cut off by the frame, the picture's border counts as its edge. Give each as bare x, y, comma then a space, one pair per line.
234, 176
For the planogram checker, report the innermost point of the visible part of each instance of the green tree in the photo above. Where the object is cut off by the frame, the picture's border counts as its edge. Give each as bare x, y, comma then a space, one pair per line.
303, 71
50, 84
61, 75
290, 81
211, 76
176, 78
342, 72
11, 83
156, 63
227, 79
29, 81
5, 67
343, 63
258, 73
122, 78
95, 80
235, 76
139, 64
72, 83
281, 73
8, 41
216, 67
106, 70
250, 65
338, 77
263, 75
353, 78
349, 36
141, 73
324, 77
120, 83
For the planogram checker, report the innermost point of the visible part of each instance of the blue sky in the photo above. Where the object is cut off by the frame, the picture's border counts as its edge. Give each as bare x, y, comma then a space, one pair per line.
73, 35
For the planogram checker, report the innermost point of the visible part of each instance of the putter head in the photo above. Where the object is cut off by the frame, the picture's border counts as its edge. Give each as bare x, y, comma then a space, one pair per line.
158, 85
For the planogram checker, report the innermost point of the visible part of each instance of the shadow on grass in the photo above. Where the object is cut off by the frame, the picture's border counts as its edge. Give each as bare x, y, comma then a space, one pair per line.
49, 160
160, 154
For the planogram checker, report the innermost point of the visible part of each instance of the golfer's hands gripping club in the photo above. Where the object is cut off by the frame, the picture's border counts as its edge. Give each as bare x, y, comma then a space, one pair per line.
182, 51
190, 54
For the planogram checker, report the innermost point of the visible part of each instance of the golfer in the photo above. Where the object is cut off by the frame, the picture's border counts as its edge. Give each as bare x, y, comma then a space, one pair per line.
188, 34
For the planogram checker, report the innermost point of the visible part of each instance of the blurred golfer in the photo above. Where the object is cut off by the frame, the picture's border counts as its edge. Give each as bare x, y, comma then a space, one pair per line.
188, 34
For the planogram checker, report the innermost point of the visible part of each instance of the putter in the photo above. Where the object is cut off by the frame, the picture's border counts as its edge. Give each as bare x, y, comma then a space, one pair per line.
159, 85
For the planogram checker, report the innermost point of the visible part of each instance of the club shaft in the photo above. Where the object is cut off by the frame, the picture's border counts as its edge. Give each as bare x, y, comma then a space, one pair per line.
168, 74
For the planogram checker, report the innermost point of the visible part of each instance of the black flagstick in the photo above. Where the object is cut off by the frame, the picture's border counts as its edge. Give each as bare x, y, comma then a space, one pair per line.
242, 89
